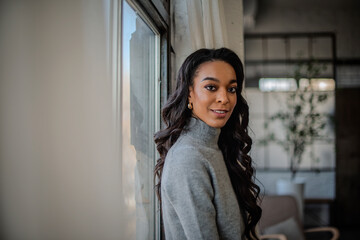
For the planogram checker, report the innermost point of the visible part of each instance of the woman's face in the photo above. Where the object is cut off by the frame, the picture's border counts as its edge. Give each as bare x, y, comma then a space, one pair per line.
213, 94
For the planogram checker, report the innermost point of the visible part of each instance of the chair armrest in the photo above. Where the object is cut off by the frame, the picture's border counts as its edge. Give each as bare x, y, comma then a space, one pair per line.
272, 236
335, 232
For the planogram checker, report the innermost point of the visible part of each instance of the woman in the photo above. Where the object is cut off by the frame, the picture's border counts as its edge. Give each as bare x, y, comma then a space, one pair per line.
205, 175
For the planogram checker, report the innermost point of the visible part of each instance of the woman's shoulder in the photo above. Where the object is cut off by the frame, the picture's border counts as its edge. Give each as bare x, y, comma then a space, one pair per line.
185, 156
189, 151
184, 152
184, 166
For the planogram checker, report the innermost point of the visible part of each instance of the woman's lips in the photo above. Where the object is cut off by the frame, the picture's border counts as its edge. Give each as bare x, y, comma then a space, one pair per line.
220, 112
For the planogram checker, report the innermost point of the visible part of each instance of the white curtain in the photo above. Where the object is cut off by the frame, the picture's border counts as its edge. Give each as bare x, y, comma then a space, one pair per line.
207, 23
60, 175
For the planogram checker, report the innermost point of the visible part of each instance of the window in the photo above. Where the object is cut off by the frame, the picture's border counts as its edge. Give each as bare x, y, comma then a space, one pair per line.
276, 66
140, 68
272, 62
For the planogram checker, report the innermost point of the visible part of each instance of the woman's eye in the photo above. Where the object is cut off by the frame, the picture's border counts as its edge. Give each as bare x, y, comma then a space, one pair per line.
210, 88
233, 89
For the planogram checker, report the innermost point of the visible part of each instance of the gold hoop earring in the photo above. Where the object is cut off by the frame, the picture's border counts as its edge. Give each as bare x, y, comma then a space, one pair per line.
190, 106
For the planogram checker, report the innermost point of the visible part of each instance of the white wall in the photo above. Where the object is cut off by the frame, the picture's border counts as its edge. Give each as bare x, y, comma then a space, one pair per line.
60, 177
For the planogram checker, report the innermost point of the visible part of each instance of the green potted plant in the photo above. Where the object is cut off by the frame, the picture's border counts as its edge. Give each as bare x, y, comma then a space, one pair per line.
299, 118
302, 124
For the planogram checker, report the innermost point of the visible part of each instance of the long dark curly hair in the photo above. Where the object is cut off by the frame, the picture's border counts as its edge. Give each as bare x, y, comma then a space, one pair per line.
234, 140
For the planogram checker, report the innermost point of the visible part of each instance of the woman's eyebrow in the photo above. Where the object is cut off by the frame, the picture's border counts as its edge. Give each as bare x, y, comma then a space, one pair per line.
233, 81
210, 79
216, 80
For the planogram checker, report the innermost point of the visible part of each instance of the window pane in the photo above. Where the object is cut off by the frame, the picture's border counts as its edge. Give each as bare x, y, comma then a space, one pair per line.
139, 64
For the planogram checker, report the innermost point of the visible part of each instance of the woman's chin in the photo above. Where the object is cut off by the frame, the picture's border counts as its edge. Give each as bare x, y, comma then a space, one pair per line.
216, 123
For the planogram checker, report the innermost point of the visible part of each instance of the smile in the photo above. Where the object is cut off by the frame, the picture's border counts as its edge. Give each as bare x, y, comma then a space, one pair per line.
220, 113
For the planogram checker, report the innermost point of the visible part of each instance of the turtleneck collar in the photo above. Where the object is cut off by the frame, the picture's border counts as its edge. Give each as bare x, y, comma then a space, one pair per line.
199, 130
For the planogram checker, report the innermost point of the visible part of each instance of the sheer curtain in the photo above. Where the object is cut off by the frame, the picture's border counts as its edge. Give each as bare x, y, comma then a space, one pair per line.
207, 24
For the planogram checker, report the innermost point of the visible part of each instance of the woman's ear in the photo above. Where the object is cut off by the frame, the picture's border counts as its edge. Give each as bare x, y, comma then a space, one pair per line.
190, 99
191, 92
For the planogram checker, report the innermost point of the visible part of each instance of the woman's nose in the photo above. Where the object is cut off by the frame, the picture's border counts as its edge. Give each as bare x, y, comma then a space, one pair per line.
222, 97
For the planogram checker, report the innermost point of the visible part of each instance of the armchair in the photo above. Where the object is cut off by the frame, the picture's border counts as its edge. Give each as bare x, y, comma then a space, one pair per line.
280, 216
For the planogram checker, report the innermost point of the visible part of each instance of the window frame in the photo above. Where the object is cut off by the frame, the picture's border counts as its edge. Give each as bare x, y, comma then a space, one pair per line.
157, 16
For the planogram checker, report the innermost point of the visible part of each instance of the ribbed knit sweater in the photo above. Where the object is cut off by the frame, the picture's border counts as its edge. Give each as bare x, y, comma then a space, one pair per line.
198, 201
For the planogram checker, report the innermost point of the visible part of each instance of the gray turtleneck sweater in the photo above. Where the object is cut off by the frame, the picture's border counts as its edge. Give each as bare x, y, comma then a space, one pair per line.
198, 201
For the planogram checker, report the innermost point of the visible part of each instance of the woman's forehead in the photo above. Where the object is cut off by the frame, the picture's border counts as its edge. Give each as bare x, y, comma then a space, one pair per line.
216, 71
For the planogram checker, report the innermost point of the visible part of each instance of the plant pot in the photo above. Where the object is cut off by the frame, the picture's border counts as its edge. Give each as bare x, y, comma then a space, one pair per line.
294, 188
